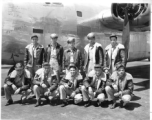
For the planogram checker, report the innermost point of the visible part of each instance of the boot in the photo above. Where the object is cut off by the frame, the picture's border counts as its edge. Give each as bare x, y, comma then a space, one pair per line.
38, 103
64, 103
113, 105
87, 103
9, 102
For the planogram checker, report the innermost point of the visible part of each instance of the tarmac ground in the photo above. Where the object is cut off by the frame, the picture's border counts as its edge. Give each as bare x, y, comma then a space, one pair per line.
137, 109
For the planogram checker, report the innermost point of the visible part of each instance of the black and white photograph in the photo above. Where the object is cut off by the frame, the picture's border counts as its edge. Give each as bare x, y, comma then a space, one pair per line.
75, 60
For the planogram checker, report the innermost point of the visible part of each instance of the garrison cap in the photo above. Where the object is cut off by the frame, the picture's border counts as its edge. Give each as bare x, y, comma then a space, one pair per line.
98, 66
71, 39
19, 66
72, 65
34, 36
54, 35
46, 64
119, 65
113, 35
91, 35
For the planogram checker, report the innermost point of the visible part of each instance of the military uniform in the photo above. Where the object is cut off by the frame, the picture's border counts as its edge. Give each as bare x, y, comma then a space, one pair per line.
18, 81
93, 55
113, 56
94, 87
34, 57
122, 85
45, 84
70, 86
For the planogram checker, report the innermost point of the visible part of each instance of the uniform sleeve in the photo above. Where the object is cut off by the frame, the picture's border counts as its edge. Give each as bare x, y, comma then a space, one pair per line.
26, 58
43, 54
63, 61
101, 56
86, 82
105, 60
61, 56
80, 60
129, 86
13, 74
123, 56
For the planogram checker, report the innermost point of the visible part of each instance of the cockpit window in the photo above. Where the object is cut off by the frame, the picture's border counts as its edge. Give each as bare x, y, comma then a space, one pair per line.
38, 31
79, 13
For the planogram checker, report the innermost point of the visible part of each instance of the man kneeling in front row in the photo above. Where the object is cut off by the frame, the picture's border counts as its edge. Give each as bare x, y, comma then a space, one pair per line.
18, 82
70, 86
121, 86
94, 86
45, 84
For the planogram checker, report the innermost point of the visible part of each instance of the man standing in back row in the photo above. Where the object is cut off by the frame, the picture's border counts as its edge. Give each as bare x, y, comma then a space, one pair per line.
34, 55
93, 54
54, 54
114, 53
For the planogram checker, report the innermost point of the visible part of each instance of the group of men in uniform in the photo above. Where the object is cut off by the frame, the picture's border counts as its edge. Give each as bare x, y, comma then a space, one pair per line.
105, 75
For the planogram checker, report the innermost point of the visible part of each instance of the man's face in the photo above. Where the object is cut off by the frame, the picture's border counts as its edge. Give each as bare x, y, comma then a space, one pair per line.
19, 72
53, 41
91, 41
98, 71
71, 45
34, 40
46, 69
121, 71
113, 41
72, 71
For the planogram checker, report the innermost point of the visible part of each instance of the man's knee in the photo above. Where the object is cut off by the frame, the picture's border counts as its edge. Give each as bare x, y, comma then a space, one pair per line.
77, 98
83, 88
101, 97
90, 90
126, 98
108, 89
5, 86
61, 87
35, 87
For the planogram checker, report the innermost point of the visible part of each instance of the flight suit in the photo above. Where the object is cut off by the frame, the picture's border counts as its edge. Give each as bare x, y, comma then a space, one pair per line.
22, 81
124, 84
94, 87
45, 85
70, 86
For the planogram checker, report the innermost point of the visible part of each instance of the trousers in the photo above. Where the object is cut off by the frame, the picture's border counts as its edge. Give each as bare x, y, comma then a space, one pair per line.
9, 91
90, 94
110, 94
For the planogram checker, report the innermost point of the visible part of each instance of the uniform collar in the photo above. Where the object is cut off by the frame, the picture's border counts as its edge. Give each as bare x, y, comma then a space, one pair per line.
69, 50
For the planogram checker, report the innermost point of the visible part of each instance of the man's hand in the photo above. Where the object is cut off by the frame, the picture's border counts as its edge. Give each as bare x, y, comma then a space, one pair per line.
47, 93
14, 87
64, 71
17, 91
73, 94
43, 85
117, 94
106, 71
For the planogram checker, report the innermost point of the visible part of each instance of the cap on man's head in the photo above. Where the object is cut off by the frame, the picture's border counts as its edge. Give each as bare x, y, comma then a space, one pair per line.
119, 65
91, 35
53, 36
34, 36
113, 35
70, 39
46, 64
72, 65
98, 66
19, 66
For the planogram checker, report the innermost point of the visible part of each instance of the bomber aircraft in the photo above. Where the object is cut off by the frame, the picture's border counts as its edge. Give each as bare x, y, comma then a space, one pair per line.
21, 20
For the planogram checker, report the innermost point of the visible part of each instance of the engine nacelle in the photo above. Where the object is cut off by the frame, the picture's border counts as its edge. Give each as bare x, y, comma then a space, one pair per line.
138, 14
